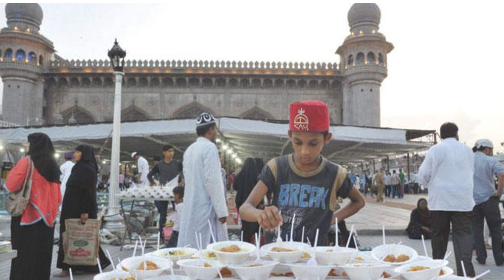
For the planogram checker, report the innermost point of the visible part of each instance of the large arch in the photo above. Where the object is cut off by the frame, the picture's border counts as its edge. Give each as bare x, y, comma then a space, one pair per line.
133, 113
256, 113
191, 111
81, 115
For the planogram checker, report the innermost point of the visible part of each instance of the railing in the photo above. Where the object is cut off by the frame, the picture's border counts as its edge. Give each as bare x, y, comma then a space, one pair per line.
8, 124
167, 64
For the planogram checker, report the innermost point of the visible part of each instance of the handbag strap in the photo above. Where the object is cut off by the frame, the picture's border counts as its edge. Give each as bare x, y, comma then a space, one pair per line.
29, 177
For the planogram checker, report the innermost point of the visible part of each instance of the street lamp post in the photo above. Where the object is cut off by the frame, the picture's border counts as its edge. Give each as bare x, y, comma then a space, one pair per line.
113, 219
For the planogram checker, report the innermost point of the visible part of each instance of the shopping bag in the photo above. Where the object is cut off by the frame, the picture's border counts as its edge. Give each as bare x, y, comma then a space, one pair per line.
81, 242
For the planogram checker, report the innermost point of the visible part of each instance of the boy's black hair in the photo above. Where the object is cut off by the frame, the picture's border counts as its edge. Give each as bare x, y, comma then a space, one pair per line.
448, 130
480, 149
167, 147
203, 130
179, 191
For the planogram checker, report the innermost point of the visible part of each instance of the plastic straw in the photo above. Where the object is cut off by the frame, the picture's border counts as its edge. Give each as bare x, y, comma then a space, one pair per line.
336, 229
158, 239
99, 265
383, 234
241, 236
134, 250
351, 231
447, 254
259, 236
302, 236
220, 275
355, 242
424, 247
292, 228
211, 232
316, 238
111, 259
71, 274
482, 274
463, 268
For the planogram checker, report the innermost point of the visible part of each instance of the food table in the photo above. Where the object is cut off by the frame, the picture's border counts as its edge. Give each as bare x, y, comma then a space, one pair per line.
136, 197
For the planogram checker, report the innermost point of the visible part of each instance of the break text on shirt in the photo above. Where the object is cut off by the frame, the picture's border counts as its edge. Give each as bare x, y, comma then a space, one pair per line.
302, 196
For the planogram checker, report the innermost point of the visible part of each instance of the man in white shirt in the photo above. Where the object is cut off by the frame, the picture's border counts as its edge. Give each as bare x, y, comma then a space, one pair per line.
447, 172
204, 200
66, 169
143, 170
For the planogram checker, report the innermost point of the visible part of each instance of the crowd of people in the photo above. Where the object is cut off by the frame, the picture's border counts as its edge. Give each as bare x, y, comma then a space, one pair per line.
302, 188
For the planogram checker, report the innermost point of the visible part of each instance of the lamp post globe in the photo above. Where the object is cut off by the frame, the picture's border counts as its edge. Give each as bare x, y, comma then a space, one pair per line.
117, 55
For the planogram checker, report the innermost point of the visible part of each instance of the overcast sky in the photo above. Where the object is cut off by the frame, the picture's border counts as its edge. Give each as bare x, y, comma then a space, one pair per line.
446, 65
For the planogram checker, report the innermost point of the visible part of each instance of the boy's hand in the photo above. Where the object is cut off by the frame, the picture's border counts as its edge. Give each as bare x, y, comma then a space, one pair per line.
270, 218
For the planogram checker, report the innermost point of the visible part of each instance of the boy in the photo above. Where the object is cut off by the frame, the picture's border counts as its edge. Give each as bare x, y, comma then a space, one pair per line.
303, 183
178, 195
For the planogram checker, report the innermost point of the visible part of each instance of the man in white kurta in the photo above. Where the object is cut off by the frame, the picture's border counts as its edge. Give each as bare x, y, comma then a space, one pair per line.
143, 170
203, 197
66, 170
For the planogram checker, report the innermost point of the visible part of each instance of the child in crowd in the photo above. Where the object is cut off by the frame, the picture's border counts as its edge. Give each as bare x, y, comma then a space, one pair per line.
178, 195
303, 183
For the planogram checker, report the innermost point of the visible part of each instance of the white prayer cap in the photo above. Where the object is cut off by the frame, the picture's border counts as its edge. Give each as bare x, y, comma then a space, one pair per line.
133, 154
204, 119
483, 143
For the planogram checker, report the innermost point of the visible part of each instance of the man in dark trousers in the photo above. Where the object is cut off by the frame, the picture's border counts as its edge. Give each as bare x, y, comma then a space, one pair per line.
167, 169
447, 172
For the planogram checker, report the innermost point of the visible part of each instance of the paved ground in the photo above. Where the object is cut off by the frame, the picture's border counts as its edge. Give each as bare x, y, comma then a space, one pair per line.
394, 214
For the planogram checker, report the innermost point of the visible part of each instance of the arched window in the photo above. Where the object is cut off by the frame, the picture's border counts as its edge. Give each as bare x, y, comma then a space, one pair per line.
154, 82
81, 115
41, 60
335, 84
20, 55
133, 113
279, 83
167, 82
324, 84
63, 82
256, 83
268, 83
86, 82
380, 58
8, 54
194, 82
143, 82
181, 82
97, 82
302, 84
207, 82
74, 82
191, 111
131, 82
109, 82
291, 84
221, 82
245, 83
371, 59
233, 83
359, 60
350, 60
313, 84
32, 57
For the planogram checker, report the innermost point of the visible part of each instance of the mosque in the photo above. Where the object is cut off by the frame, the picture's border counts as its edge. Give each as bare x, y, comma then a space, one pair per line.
43, 88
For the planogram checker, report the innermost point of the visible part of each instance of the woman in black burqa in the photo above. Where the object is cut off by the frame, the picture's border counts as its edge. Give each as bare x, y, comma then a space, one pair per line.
244, 183
79, 202
420, 221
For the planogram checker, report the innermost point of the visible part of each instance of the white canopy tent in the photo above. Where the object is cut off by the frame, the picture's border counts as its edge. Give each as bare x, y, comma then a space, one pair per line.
246, 138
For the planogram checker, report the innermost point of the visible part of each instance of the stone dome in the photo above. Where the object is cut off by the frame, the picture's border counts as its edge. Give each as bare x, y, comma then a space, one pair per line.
31, 12
364, 12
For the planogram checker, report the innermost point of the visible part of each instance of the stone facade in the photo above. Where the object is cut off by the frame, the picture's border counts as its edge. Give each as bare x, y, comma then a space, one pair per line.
54, 90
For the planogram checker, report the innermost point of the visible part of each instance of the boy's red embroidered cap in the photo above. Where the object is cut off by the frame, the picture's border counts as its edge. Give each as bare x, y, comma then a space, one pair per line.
309, 116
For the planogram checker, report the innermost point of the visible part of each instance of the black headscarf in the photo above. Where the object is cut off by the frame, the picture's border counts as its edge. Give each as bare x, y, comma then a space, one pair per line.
424, 214
42, 154
88, 156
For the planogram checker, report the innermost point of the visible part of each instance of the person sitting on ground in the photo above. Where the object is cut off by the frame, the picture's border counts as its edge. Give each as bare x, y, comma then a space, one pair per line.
304, 183
420, 221
178, 196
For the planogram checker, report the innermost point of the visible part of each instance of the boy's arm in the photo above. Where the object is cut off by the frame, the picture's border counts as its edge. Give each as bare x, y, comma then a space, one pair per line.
357, 202
269, 218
